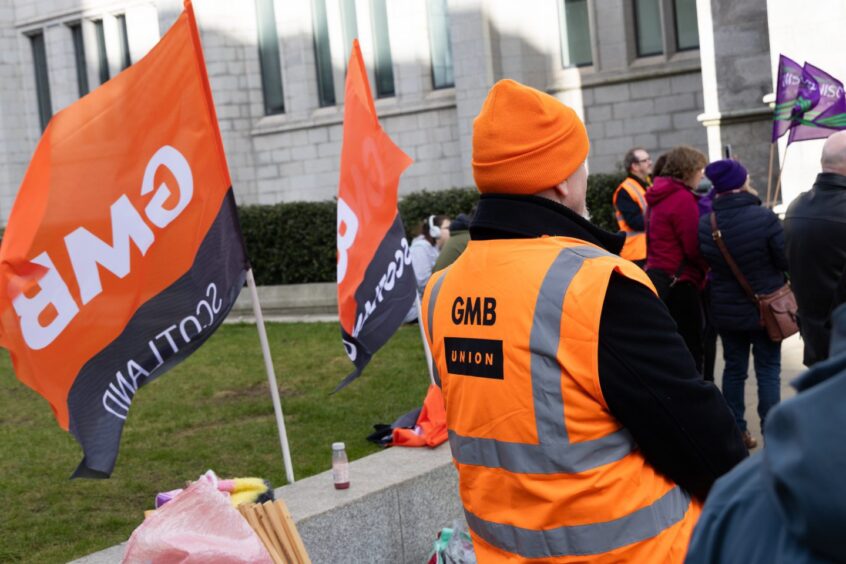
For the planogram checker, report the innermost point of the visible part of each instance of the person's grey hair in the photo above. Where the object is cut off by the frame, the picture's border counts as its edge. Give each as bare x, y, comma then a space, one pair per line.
629, 159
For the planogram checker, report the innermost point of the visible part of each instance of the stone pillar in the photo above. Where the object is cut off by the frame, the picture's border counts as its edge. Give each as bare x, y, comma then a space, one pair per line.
16, 139
735, 51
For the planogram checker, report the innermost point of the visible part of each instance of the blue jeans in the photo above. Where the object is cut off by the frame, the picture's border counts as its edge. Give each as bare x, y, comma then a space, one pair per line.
767, 358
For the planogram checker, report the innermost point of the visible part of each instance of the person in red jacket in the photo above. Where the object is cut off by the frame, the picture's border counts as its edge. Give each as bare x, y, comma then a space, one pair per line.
673, 262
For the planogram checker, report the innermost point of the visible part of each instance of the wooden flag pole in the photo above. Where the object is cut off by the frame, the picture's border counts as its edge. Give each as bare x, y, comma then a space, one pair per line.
770, 175
780, 171
423, 337
271, 377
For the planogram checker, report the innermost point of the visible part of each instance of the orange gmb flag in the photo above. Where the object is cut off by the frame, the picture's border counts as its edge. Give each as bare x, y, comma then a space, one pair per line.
122, 253
376, 283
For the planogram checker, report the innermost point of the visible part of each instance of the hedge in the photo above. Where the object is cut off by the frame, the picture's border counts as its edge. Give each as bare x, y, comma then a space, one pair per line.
294, 243
600, 191
290, 243
416, 207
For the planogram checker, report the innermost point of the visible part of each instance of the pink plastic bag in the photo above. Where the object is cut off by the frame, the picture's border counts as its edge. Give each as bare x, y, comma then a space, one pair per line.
199, 525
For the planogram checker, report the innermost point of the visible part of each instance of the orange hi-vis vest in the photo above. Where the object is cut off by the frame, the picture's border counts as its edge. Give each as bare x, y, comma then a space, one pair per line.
546, 472
635, 246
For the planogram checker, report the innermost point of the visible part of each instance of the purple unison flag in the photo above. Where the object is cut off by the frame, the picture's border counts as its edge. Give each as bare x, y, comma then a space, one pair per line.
788, 80
820, 106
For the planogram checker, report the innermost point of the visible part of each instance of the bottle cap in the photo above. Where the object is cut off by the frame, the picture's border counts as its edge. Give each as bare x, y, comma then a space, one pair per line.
338, 446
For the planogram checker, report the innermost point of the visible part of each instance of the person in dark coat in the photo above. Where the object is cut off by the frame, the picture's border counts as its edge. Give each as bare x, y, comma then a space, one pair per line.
755, 240
815, 232
673, 261
459, 236
788, 502
705, 200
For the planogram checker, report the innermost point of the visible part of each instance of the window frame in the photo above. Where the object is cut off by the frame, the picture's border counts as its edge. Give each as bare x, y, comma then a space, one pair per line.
383, 59
270, 58
564, 36
38, 47
669, 38
678, 48
123, 41
661, 28
81, 63
323, 55
103, 71
448, 80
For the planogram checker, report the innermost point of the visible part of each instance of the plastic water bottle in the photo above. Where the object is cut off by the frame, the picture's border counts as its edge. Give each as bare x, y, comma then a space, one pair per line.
340, 466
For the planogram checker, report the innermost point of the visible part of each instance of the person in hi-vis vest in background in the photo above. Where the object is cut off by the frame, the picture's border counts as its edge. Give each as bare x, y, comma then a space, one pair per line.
577, 421
630, 204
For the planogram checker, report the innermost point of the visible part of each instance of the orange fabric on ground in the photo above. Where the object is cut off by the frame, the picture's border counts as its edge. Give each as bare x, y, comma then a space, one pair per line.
432, 423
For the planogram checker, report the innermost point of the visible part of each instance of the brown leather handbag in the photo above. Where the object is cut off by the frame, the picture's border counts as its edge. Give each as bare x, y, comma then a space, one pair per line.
778, 309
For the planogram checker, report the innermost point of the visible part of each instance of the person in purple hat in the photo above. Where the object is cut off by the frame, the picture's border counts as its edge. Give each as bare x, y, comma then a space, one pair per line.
755, 241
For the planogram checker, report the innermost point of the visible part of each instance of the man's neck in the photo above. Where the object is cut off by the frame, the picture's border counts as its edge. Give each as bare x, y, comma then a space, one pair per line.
642, 180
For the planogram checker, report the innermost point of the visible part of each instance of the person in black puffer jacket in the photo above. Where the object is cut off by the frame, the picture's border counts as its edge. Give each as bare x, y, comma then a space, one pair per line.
755, 239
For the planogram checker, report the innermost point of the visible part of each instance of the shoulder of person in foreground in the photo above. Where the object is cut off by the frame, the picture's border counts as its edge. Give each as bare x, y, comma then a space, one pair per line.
650, 383
787, 502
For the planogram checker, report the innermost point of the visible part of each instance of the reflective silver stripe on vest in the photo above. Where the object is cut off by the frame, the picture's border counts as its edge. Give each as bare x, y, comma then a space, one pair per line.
553, 453
596, 538
628, 183
544, 458
638, 195
430, 314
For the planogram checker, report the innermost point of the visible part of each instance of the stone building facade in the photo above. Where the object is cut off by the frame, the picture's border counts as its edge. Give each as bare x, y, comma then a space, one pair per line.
650, 73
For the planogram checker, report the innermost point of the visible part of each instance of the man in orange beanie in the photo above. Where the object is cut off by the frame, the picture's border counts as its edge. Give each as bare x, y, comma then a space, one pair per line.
579, 425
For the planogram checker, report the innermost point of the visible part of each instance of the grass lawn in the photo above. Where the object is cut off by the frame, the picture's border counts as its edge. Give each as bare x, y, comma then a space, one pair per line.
212, 411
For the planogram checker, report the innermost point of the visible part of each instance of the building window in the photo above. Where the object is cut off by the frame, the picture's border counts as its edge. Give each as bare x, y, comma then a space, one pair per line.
384, 70
439, 44
650, 39
575, 33
42, 79
102, 56
323, 55
687, 27
269, 61
79, 58
123, 42
349, 25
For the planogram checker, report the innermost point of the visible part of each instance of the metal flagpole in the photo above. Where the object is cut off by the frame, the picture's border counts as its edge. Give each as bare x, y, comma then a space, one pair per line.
423, 337
770, 175
271, 378
778, 184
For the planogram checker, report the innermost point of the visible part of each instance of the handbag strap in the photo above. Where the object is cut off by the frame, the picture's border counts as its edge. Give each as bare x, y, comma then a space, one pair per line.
718, 238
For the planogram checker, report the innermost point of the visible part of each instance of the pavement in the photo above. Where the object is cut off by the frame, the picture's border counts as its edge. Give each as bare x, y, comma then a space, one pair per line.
292, 318
791, 367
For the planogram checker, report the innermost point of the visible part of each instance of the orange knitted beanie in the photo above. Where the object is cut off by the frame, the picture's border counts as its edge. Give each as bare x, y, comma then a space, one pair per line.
525, 141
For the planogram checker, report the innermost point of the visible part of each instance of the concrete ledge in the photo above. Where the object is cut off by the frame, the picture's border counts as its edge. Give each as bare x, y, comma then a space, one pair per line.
397, 501
288, 301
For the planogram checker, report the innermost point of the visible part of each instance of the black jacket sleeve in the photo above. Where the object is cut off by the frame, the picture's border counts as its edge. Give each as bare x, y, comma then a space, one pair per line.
839, 293
630, 210
775, 241
648, 378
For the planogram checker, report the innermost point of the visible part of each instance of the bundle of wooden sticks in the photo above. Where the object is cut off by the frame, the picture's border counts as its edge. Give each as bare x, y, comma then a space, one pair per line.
274, 526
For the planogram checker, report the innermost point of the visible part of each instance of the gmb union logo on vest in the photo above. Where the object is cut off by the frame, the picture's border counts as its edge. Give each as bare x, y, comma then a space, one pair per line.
88, 253
470, 356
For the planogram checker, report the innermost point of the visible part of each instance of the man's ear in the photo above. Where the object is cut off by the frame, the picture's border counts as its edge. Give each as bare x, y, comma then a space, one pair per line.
562, 191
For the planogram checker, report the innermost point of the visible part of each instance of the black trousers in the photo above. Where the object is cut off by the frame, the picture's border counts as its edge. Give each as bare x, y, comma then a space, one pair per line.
684, 303
709, 336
